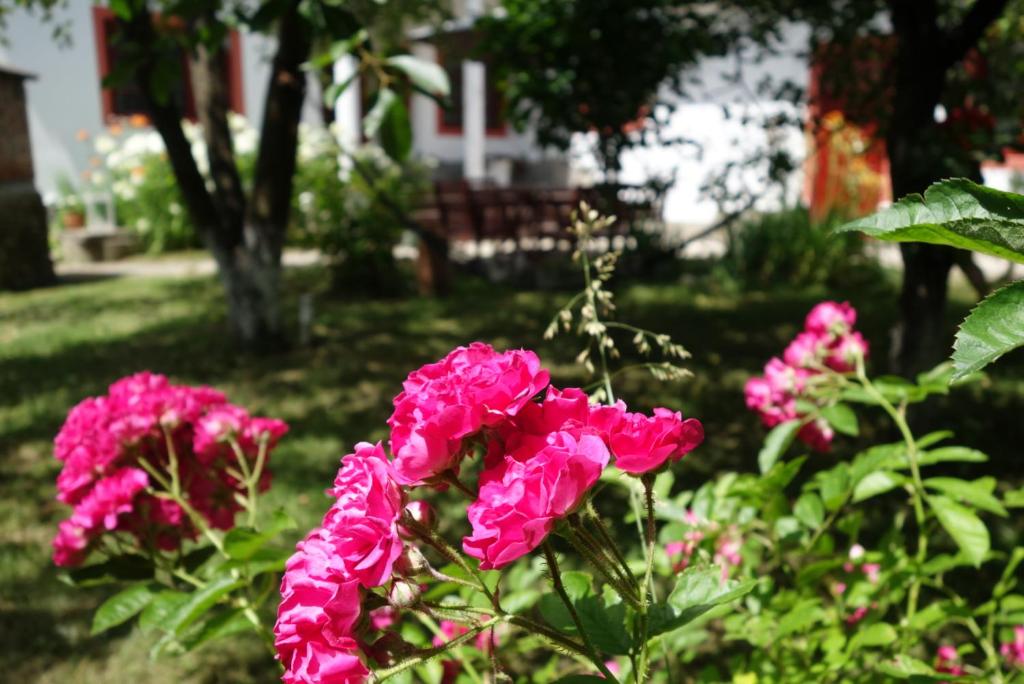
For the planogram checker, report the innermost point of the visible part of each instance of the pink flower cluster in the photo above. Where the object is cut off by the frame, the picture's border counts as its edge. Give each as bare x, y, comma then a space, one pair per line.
1013, 651
355, 548
947, 661
828, 342
107, 443
542, 456
728, 544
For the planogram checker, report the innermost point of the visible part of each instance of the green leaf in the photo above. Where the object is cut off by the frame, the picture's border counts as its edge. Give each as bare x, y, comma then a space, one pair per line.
162, 605
396, 132
967, 530
242, 543
904, 667
122, 607
1014, 498
222, 625
835, 486
878, 634
977, 494
776, 443
375, 117
604, 622
426, 75
953, 212
334, 91
338, 49
958, 454
993, 328
800, 617
697, 590
842, 418
809, 510
582, 679
198, 602
877, 483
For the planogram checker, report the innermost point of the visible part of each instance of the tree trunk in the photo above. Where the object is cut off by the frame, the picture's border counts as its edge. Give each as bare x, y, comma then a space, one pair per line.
252, 284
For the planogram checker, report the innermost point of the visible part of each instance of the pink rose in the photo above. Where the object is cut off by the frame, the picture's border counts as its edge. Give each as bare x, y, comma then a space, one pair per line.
318, 662
645, 443
947, 661
806, 350
1013, 651
843, 355
443, 403
363, 522
830, 318
320, 605
520, 501
817, 434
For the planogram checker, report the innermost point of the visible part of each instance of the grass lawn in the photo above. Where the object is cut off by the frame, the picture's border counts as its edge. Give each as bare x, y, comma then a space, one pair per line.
61, 344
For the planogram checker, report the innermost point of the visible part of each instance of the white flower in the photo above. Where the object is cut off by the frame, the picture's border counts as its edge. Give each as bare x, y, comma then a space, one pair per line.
142, 225
104, 144
174, 208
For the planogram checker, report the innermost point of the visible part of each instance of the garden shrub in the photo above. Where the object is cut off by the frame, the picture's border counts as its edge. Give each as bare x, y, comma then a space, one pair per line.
874, 567
788, 248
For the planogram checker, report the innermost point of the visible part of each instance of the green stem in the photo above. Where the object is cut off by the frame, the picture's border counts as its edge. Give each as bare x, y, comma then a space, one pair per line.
641, 675
606, 537
556, 579
438, 632
446, 550
600, 549
918, 495
420, 658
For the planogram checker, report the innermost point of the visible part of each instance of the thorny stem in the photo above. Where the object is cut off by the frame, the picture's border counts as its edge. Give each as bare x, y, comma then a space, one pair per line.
438, 632
556, 579
600, 548
446, 550
626, 591
415, 660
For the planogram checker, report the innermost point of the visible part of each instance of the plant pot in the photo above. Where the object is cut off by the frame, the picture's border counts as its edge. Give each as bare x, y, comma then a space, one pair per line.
73, 220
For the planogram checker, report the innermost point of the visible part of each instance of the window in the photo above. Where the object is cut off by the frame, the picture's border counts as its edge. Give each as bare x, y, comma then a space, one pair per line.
126, 100
450, 55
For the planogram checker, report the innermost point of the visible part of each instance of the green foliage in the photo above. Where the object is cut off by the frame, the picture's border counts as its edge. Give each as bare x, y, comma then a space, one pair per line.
954, 212
962, 214
787, 247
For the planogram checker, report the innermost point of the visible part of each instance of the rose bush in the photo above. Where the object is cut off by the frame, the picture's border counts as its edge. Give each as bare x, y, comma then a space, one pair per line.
439, 555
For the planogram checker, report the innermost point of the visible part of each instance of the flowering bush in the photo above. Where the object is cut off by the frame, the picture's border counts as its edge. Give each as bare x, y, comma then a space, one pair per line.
872, 567
150, 469
542, 454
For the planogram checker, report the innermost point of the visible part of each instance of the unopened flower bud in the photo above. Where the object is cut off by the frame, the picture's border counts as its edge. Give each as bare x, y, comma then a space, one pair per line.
404, 594
412, 562
421, 512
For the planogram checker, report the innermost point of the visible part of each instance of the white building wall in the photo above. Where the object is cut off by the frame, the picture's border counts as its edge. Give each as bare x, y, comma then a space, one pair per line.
719, 140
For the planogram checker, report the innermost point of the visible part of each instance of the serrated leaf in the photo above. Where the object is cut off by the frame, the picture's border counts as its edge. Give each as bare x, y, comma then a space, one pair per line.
776, 443
842, 418
977, 494
121, 607
697, 590
426, 75
242, 543
994, 327
835, 486
953, 212
967, 530
877, 483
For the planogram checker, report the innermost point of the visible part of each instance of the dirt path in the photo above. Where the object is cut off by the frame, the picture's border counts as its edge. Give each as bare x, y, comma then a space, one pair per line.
167, 267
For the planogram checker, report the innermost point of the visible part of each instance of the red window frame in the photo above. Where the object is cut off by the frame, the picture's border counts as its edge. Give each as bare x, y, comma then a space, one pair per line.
493, 98
102, 20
